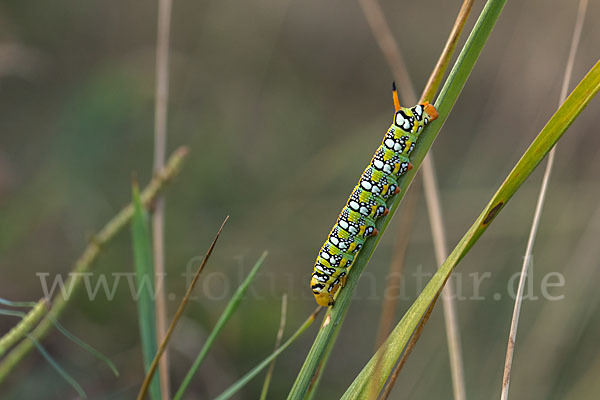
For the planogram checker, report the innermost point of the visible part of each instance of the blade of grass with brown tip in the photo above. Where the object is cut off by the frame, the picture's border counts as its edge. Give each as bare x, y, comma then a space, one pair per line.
178, 314
225, 316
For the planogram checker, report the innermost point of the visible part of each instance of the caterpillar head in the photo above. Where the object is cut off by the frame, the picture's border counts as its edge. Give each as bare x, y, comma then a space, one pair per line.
325, 292
323, 296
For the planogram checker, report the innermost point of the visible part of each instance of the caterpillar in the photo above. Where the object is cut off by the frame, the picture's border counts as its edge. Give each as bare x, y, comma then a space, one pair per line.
367, 202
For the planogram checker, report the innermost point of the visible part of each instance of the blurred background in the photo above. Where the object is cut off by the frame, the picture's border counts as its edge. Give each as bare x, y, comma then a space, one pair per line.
282, 104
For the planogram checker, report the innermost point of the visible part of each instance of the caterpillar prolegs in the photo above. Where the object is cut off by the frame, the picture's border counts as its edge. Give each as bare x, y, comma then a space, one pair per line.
367, 202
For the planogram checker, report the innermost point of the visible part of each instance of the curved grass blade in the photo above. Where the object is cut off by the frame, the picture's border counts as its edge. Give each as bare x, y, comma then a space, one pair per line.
30, 321
233, 389
11, 313
17, 303
543, 143
85, 346
446, 100
229, 311
144, 271
70, 380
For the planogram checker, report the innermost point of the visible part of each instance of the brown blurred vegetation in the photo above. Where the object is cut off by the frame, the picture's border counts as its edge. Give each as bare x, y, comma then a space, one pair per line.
282, 104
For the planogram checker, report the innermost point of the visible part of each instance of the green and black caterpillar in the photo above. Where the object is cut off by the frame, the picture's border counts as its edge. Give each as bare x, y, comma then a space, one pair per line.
367, 202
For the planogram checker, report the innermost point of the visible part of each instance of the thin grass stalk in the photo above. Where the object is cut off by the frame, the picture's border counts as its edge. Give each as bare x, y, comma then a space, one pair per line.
385, 39
584, 276
64, 374
393, 55
225, 316
160, 148
435, 79
265, 388
447, 98
510, 349
178, 314
89, 256
438, 232
233, 389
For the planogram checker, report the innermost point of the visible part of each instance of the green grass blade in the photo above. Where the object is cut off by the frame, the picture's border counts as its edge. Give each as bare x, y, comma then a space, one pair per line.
446, 100
229, 311
17, 303
11, 313
85, 346
70, 380
392, 349
144, 268
233, 389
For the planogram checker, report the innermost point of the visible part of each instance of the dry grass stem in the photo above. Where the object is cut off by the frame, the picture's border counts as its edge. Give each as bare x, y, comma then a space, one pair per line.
282, 321
438, 232
160, 144
538, 209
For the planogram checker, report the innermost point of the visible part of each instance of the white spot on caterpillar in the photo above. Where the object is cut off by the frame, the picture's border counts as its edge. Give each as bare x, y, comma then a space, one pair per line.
353, 230
366, 185
387, 169
353, 205
325, 255
343, 224
378, 164
334, 240
389, 143
397, 147
364, 211
399, 119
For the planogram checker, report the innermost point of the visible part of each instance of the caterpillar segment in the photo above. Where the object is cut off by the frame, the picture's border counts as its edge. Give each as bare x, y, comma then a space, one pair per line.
367, 202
